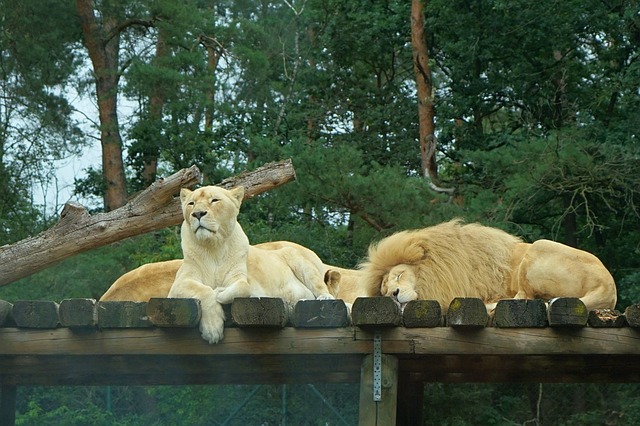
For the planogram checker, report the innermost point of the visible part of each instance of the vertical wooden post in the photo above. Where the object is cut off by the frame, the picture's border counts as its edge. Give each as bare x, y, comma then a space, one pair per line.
7, 403
410, 401
383, 412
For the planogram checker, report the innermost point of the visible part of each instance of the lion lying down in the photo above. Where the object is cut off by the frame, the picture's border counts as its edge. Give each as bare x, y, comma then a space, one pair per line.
470, 260
155, 279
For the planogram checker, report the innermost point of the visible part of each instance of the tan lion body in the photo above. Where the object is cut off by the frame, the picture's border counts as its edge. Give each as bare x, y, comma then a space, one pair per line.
548, 269
347, 284
144, 282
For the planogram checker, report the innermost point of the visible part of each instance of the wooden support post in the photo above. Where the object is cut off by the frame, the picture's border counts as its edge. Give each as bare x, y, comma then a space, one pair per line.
383, 412
410, 401
7, 404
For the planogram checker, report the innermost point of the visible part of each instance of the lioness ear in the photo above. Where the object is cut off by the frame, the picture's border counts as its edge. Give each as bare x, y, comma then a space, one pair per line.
238, 193
184, 193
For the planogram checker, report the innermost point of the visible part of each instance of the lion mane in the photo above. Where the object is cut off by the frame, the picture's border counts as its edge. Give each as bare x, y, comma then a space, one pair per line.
442, 262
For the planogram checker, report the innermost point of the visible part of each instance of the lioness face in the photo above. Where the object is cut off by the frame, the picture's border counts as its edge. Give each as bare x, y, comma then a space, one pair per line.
400, 283
211, 212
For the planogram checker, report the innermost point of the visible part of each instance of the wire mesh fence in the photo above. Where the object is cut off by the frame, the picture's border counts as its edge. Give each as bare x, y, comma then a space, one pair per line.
327, 405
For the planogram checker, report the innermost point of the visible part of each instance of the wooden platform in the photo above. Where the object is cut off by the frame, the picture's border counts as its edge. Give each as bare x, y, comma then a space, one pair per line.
129, 349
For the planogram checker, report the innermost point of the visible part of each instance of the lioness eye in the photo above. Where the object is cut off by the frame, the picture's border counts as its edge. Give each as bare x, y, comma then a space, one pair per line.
191, 203
214, 200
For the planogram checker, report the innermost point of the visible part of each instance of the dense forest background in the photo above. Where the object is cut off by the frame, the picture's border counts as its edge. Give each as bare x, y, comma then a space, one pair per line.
397, 114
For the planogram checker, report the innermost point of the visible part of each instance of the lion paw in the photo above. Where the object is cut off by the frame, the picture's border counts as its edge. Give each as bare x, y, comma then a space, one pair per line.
238, 289
212, 321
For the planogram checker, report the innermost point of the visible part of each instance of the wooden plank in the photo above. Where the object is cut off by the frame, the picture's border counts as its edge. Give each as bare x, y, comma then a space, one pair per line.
7, 403
332, 368
520, 313
175, 312
410, 411
347, 340
35, 314
422, 313
78, 313
260, 312
467, 312
507, 341
383, 412
179, 341
143, 370
123, 315
376, 312
567, 368
180, 356
320, 314
567, 312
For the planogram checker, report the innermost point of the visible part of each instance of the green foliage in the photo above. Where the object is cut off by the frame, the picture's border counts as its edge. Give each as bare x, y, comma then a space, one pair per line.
89, 275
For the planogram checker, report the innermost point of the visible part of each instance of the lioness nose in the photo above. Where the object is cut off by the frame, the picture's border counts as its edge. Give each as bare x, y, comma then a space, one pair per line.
198, 215
396, 293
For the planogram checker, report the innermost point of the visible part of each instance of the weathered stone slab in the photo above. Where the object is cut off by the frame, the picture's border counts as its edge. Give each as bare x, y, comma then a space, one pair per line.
567, 312
163, 312
468, 312
520, 313
123, 315
35, 314
376, 311
259, 312
422, 313
78, 313
320, 314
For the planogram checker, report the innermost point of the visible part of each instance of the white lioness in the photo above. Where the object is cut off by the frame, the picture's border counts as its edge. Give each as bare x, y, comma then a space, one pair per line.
470, 260
215, 268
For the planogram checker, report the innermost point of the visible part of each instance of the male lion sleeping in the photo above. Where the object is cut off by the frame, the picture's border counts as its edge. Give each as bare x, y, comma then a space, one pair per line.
220, 265
470, 260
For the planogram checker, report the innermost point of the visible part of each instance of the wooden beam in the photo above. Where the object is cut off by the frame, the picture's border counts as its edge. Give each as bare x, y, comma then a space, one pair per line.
383, 412
345, 340
508, 341
265, 355
410, 409
7, 403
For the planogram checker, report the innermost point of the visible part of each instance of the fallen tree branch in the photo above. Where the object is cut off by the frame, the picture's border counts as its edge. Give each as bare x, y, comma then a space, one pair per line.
156, 207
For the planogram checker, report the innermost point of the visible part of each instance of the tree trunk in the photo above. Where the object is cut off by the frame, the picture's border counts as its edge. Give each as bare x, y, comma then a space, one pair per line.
214, 53
154, 208
103, 44
426, 110
156, 106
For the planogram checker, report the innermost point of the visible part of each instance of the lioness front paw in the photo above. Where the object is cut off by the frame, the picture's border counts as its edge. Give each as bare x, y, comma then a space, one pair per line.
212, 320
238, 289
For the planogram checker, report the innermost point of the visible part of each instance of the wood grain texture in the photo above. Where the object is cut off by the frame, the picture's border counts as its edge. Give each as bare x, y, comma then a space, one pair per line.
289, 355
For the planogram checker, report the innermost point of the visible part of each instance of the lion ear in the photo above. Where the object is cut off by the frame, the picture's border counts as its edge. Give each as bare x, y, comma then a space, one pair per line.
184, 193
238, 194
